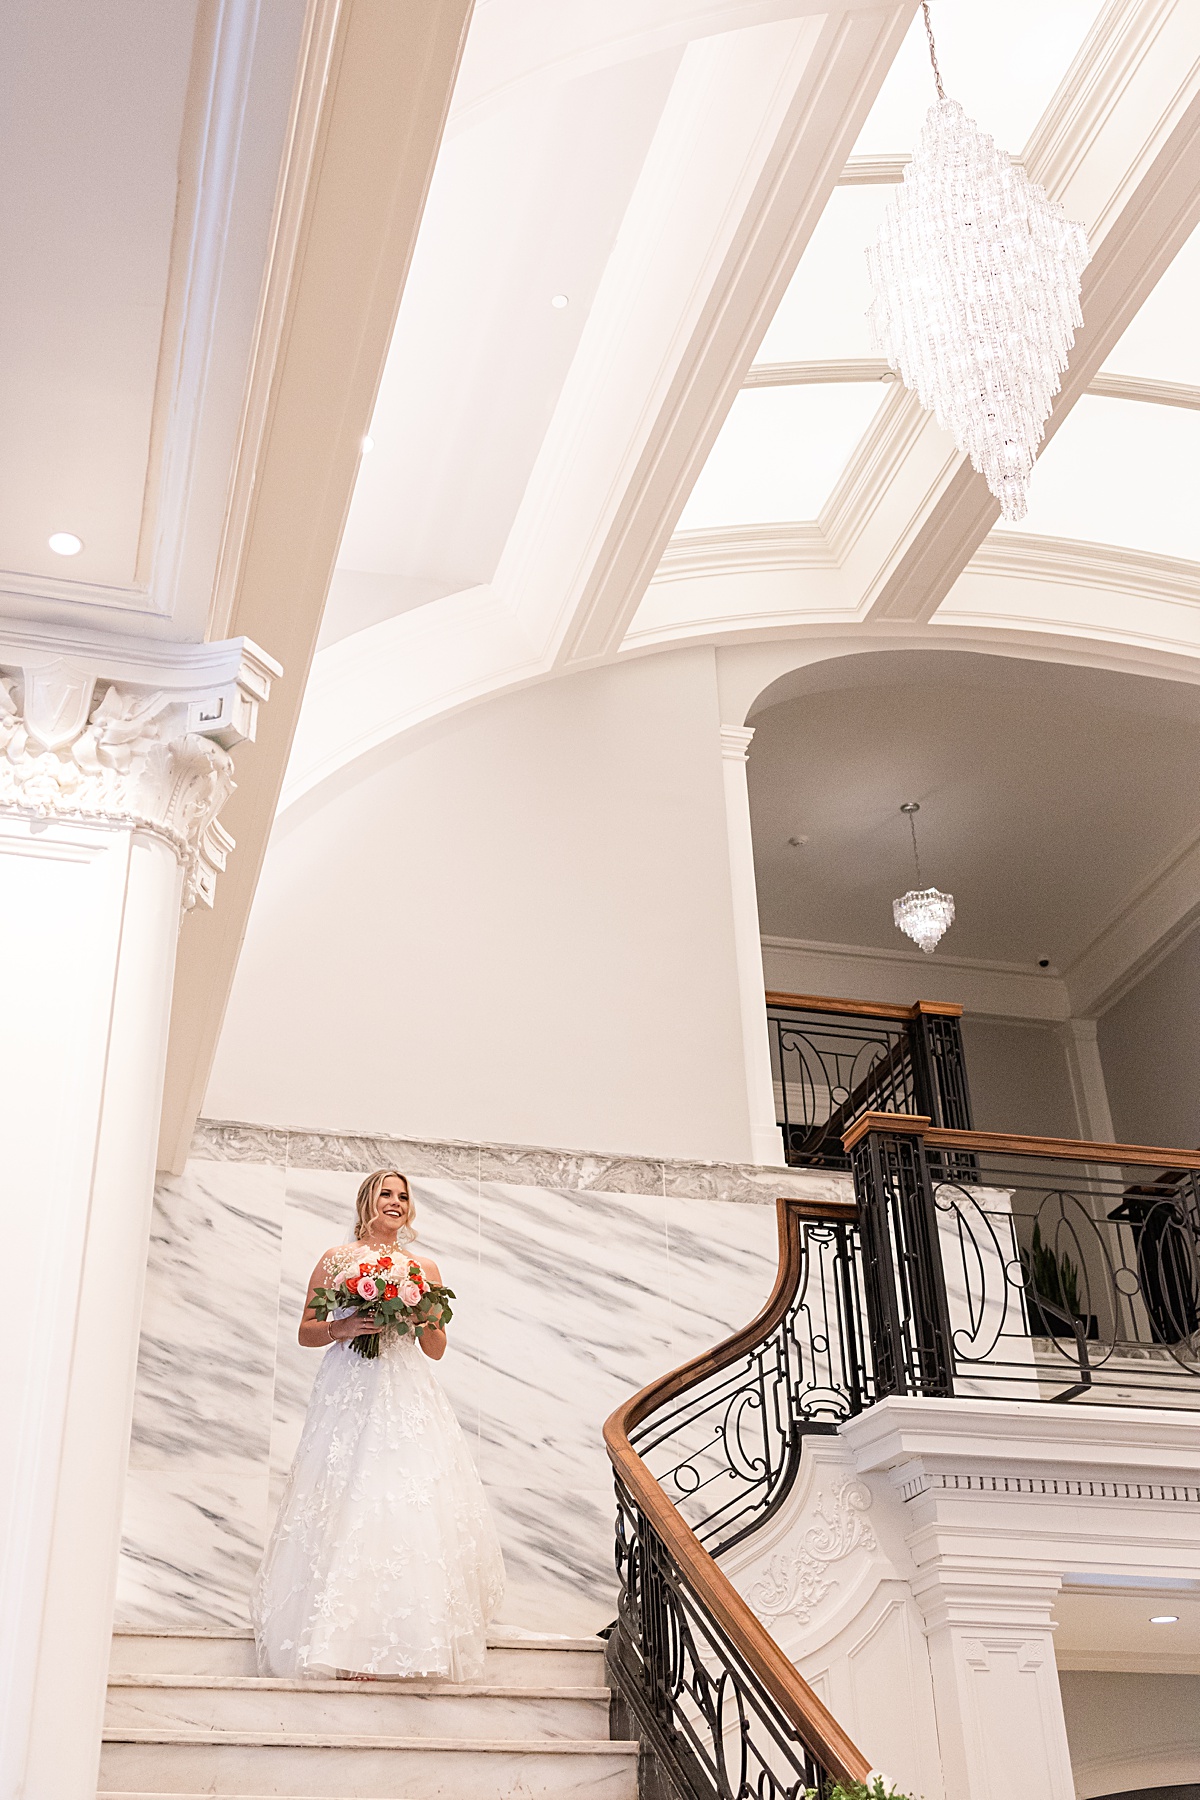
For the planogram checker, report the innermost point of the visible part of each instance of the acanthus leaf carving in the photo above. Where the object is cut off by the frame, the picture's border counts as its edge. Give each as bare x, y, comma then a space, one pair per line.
795, 1580
132, 760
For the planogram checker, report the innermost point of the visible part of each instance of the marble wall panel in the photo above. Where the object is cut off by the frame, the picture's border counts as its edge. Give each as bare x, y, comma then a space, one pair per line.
196, 1505
568, 1301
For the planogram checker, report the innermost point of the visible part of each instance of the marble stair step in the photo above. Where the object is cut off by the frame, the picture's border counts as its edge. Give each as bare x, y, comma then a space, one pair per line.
407, 1709
310, 1766
514, 1658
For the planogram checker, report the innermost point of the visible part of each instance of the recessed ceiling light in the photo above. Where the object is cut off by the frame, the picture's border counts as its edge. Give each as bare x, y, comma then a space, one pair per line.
368, 444
1165, 1619
560, 300
65, 543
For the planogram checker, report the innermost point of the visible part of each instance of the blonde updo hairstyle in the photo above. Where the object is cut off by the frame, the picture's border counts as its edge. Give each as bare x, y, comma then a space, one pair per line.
367, 1204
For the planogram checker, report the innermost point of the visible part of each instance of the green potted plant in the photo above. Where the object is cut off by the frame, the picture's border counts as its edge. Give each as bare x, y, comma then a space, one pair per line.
1054, 1280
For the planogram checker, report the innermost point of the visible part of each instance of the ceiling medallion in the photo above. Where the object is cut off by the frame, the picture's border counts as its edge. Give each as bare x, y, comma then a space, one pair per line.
976, 277
923, 914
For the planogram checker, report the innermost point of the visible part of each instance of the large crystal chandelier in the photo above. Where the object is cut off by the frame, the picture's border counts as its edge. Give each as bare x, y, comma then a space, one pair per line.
976, 278
923, 913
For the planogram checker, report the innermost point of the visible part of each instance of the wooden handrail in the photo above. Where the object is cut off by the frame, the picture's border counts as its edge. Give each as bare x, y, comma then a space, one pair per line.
1004, 1143
816, 1726
864, 1009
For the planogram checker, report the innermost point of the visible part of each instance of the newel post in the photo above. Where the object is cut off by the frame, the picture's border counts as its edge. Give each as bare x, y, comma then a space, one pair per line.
907, 1310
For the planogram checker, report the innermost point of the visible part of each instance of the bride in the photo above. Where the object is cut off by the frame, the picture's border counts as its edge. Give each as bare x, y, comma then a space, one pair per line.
384, 1560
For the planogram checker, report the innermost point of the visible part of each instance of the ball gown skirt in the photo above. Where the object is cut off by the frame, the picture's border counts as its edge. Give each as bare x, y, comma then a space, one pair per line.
384, 1558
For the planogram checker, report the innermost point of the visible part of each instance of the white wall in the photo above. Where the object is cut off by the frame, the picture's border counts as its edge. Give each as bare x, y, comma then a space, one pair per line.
514, 926
1150, 1047
1017, 1070
1129, 1732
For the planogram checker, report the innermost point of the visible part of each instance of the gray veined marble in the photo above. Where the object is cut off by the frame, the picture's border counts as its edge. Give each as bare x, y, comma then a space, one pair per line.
568, 1301
197, 1488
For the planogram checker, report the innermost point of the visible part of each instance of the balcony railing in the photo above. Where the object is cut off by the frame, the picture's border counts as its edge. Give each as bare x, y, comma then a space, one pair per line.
833, 1060
969, 1263
1029, 1268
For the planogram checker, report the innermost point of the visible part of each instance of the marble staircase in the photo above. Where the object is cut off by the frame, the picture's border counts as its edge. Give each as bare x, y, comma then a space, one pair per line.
188, 1715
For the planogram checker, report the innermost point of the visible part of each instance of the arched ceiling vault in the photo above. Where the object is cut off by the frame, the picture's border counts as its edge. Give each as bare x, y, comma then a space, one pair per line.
520, 515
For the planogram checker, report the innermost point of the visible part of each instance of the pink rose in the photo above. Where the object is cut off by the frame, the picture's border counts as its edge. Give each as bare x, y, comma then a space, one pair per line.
367, 1289
410, 1293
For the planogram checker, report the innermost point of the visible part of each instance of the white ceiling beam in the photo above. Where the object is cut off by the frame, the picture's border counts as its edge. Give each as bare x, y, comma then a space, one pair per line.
371, 101
1122, 153
751, 143
741, 167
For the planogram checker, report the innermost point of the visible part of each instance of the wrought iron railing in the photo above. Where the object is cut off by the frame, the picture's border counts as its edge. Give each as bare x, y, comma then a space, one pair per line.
1057, 1270
969, 1263
833, 1060
701, 1458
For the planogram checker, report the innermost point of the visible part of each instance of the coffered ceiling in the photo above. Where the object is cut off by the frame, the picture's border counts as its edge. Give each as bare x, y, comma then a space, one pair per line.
699, 446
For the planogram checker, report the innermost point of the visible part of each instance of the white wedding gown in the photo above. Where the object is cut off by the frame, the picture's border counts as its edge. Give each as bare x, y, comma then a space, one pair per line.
384, 1558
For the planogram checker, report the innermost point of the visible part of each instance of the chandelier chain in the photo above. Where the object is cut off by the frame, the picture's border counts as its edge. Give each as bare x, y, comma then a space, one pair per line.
937, 73
912, 826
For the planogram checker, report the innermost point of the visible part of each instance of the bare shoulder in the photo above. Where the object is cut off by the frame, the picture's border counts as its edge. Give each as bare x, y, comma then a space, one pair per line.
428, 1267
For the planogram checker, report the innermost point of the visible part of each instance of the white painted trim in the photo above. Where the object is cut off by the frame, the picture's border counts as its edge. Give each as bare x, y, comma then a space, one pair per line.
766, 1144
1144, 928
1085, 1071
830, 371
901, 977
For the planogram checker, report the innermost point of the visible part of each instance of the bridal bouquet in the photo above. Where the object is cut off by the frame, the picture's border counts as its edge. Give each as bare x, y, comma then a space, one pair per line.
390, 1294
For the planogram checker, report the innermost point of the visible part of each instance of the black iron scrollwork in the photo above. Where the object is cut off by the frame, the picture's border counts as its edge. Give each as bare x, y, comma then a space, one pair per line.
830, 1068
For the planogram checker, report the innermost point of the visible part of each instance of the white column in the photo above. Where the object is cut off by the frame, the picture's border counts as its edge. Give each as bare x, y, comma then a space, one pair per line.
1086, 1073
995, 1682
766, 1140
112, 770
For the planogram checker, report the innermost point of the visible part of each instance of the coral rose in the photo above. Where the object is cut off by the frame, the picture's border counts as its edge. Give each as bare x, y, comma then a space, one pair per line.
390, 1291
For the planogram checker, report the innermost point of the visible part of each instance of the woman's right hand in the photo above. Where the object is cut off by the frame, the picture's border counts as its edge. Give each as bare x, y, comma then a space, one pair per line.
358, 1325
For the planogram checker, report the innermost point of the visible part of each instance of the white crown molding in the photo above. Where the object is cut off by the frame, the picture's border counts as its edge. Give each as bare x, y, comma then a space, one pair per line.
1015, 556
1022, 556
986, 989
735, 742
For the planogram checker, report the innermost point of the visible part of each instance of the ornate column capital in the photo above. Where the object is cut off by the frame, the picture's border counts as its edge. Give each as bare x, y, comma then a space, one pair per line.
135, 733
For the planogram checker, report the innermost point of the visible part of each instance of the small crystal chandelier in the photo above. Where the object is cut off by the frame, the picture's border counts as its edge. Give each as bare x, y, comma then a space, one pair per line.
923, 914
976, 275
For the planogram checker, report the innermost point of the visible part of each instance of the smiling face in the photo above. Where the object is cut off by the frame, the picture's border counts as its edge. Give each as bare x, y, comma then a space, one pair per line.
392, 1207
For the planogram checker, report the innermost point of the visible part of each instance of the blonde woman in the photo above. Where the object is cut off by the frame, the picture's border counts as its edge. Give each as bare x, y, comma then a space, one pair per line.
384, 1559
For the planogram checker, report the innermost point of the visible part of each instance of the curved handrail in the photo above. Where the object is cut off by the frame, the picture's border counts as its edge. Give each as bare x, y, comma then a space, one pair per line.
808, 1717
